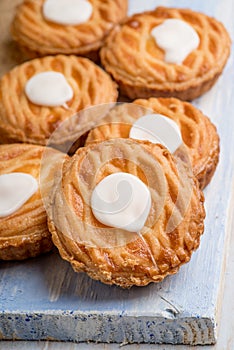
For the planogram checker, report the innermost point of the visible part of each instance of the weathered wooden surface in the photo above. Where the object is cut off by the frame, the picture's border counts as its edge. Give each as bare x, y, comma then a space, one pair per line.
43, 298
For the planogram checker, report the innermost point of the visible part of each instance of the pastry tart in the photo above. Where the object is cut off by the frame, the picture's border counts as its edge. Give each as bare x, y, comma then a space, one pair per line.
126, 212
79, 27
168, 52
198, 133
23, 220
37, 96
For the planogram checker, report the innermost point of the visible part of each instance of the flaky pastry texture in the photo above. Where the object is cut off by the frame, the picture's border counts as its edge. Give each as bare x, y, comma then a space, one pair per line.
172, 230
40, 37
24, 234
199, 134
24, 121
133, 58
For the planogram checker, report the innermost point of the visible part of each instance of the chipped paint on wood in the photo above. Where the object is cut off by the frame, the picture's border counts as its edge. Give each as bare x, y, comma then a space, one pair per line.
44, 299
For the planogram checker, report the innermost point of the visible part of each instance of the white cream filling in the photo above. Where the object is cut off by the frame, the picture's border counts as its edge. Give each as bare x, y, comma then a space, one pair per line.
177, 38
67, 12
157, 128
49, 89
15, 190
122, 201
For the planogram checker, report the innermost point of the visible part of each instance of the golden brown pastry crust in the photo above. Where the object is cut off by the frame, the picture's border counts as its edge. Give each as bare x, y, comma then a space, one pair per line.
198, 132
24, 234
129, 264
39, 37
23, 121
137, 64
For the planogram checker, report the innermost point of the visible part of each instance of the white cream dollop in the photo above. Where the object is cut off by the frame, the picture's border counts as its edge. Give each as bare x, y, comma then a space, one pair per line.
177, 38
121, 200
15, 190
49, 89
157, 128
67, 12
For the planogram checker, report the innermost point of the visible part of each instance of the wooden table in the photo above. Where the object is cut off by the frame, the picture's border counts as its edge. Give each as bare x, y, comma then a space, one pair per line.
226, 331
219, 104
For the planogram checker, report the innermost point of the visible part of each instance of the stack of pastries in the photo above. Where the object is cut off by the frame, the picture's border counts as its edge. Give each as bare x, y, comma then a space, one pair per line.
117, 188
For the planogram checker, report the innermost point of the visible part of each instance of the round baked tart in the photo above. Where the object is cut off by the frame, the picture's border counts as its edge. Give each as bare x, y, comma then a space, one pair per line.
168, 52
143, 120
79, 27
37, 96
23, 219
126, 212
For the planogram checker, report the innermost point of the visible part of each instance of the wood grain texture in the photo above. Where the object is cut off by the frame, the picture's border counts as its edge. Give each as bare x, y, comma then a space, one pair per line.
226, 335
44, 299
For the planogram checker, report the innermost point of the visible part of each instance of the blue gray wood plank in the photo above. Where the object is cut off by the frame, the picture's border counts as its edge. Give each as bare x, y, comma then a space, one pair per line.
44, 299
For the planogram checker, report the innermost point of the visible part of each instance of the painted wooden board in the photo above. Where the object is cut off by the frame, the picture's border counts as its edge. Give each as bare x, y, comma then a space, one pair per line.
44, 299
225, 337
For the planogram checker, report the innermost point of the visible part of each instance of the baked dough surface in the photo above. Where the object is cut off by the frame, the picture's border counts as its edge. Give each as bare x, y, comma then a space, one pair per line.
198, 132
172, 230
133, 58
39, 37
24, 234
23, 121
